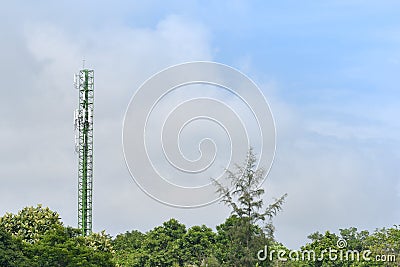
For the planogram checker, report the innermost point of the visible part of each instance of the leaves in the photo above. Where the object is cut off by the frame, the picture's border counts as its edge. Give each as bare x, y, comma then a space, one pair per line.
245, 198
242, 231
31, 222
11, 253
198, 245
171, 244
36, 237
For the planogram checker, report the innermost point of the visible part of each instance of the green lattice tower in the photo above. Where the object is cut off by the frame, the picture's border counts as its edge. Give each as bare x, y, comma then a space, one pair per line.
84, 82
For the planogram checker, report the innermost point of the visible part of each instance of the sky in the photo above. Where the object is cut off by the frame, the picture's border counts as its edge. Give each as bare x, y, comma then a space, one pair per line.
329, 70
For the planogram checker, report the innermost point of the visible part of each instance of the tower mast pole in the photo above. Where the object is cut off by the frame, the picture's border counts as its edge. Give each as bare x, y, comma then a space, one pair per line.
84, 82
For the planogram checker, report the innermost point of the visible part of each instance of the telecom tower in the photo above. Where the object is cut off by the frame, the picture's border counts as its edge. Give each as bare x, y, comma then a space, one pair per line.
83, 123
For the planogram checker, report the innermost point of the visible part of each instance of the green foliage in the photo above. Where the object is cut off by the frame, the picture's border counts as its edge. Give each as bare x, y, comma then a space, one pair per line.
172, 245
246, 197
166, 245
128, 249
241, 235
11, 251
385, 241
198, 245
99, 242
60, 247
129, 241
234, 247
36, 237
31, 222
163, 246
319, 245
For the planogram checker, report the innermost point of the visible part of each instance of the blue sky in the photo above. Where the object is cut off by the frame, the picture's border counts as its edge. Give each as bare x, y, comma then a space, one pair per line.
330, 70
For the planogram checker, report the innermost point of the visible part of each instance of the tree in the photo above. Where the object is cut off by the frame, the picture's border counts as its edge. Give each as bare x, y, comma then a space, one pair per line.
100, 242
39, 239
31, 222
163, 245
198, 245
320, 244
245, 228
128, 249
385, 242
347, 249
11, 251
232, 246
62, 247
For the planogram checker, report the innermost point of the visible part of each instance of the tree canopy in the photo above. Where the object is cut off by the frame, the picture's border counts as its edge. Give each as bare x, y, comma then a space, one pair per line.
35, 236
249, 226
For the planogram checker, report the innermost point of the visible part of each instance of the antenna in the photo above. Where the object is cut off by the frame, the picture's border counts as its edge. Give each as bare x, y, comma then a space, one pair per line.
76, 81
